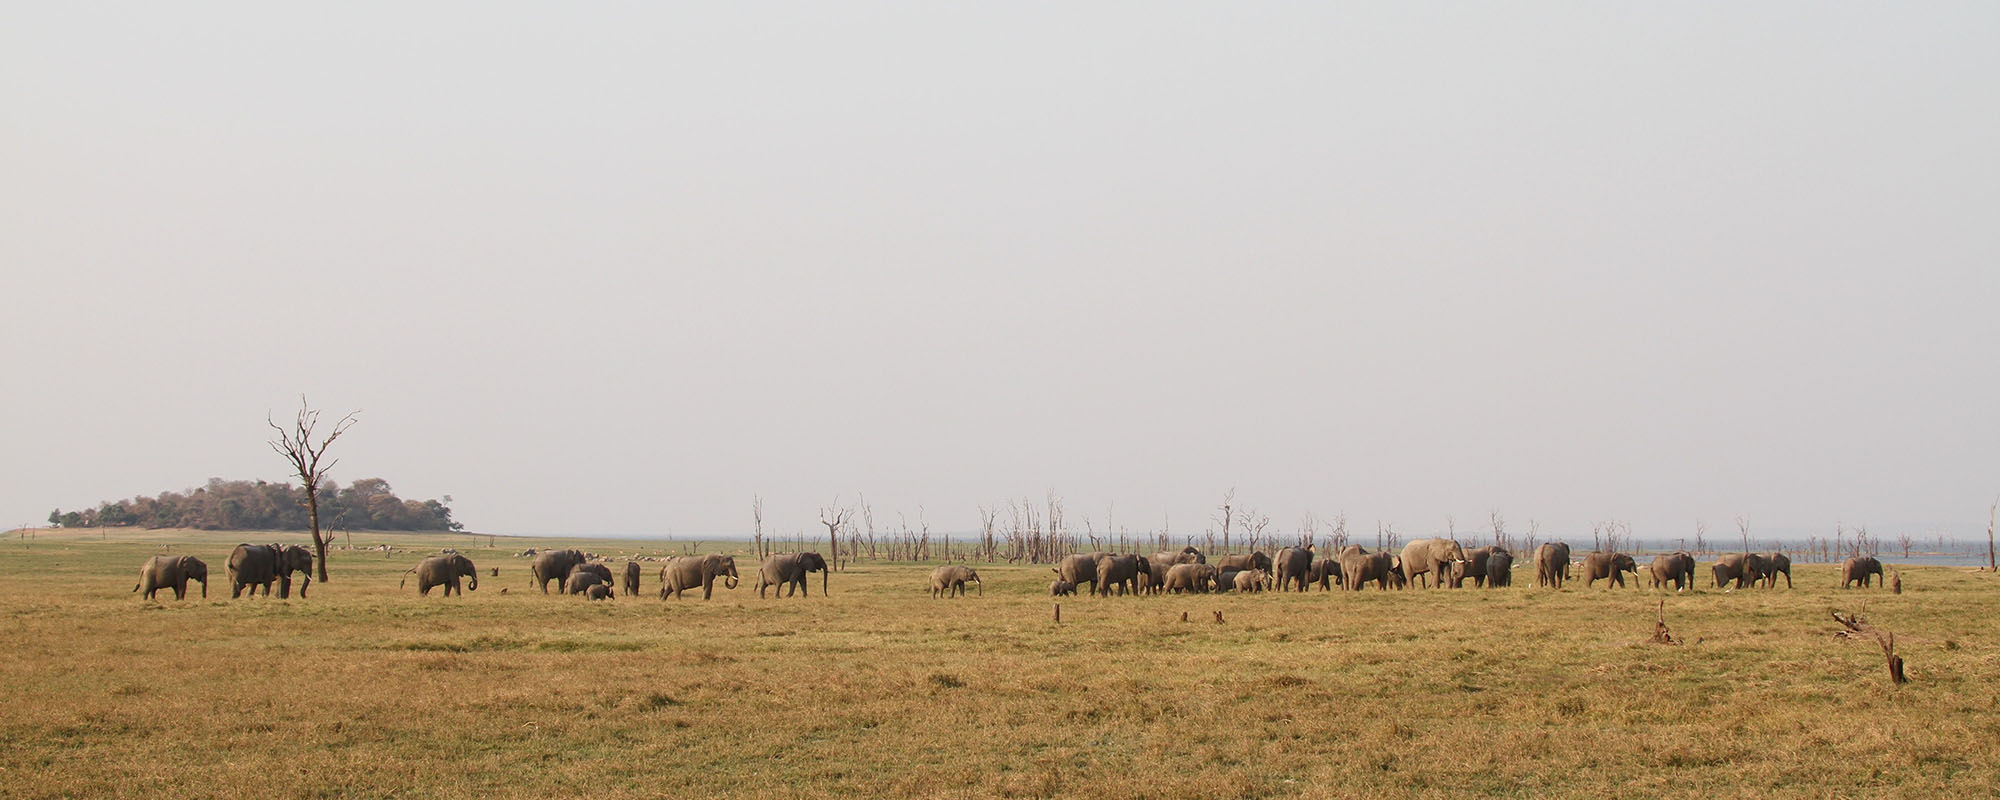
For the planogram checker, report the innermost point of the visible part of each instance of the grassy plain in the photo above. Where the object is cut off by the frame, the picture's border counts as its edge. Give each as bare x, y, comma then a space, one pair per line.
367, 691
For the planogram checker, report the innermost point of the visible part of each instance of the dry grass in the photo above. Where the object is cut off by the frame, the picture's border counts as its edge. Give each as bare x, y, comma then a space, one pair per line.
881, 691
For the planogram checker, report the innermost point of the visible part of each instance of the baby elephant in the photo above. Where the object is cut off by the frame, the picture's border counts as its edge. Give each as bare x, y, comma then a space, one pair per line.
1249, 580
950, 580
581, 581
1059, 587
599, 591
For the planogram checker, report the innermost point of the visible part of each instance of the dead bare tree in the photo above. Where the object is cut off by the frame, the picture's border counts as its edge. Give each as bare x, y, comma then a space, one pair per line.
297, 446
1228, 500
833, 517
757, 526
1743, 527
1499, 529
1701, 537
1991, 564
1858, 627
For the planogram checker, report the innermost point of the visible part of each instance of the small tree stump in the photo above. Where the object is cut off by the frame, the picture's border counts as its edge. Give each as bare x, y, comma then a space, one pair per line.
1895, 583
1058, 613
1857, 627
1184, 616
1218, 618
1660, 634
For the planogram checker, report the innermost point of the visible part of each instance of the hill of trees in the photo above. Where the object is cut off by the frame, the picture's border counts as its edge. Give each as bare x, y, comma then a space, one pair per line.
366, 504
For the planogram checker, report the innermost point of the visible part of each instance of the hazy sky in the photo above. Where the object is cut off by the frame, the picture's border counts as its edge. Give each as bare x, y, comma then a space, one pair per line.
615, 268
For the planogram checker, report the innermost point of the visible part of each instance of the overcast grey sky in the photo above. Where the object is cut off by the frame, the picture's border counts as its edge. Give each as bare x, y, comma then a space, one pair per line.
613, 268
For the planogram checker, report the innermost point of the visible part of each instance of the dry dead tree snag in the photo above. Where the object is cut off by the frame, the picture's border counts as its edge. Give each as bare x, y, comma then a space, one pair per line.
1660, 634
1857, 627
297, 446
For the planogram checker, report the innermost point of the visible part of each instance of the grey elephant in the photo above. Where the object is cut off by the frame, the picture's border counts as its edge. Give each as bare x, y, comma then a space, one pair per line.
255, 565
632, 578
1474, 566
1250, 580
580, 581
1185, 555
1079, 568
1121, 572
1326, 573
1738, 568
1551, 564
161, 572
442, 571
1609, 566
1225, 579
1860, 569
602, 572
1255, 560
554, 565
950, 580
1499, 569
1358, 567
786, 572
1190, 578
599, 591
1430, 559
1774, 565
1060, 587
1293, 568
1676, 568
682, 573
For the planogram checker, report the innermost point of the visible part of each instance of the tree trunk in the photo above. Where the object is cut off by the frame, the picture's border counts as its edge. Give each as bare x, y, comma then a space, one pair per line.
319, 543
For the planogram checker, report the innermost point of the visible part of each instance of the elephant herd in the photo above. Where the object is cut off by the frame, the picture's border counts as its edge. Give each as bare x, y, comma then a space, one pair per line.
1433, 563
251, 566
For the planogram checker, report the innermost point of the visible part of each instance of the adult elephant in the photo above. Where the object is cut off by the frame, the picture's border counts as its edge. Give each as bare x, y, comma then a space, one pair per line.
1185, 555
255, 565
1774, 564
1293, 565
602, 572
1326, 573
950, 580
786, 572
1738, 568
1499, 569
682, 573
1676, 568
442, 571
1122, 572
1190, 578
1551, 564
1255, 560
1860, 569
1609, 566
1079, 569
1430, 558
160, 572
554, 565
1474, 566
632, 578
1358, 567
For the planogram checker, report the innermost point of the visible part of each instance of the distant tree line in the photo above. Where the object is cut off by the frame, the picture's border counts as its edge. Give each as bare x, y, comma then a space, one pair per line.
366, 504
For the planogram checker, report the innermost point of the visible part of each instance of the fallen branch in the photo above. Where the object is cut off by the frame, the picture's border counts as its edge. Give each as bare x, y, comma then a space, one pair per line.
1858, 627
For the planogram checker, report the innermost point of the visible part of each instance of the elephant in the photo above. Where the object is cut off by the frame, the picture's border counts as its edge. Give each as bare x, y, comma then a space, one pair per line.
632, 578
1610, 566
442, 571
1326, 573
1551, 564
1860, 569
1190, 578
1676, 568
554, 565
1122, 572
1225, 579
1499, 569
1185, 555
1256, 560
1293, 565
1474, 566
581, 580
786, 572
1250, 580
1079, 569
599, 591
160, 572
950, 580
256, 565
1739, 568
602, 572
1058, 588
681, 573
1358, 566
1774, 564
1430, 557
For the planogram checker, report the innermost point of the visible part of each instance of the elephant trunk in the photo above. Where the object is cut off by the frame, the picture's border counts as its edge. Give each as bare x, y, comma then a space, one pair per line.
204, 590
823, 575
475, 580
